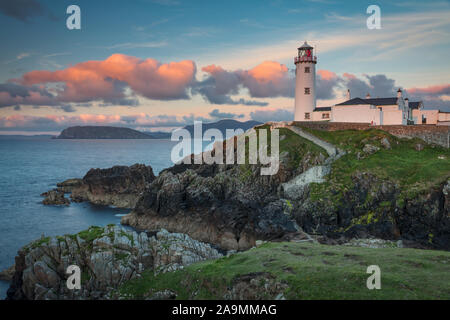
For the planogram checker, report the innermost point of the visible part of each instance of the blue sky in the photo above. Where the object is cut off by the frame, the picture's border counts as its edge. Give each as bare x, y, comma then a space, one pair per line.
410, 51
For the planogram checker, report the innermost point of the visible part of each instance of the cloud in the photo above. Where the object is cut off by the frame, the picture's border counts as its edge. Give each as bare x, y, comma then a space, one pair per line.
268, 79
141, 121
68, 108
23, 10
216, 114
377, 86
272, 115
432, 90
22, 56
12, 94
106, 80
220, 84
133, 45
432, 97
326, 83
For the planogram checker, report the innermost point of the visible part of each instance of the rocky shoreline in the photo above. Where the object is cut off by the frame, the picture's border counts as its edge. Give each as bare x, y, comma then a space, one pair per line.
229, 208
233, 206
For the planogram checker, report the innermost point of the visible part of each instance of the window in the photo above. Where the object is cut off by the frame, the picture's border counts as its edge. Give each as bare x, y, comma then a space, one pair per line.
307, 90
307, 115
307, 70
325, 116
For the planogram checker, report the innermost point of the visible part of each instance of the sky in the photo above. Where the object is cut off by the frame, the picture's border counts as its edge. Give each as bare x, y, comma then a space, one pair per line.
154, 65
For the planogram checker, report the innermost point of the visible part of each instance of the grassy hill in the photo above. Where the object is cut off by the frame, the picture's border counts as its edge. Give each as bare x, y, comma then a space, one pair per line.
307, 271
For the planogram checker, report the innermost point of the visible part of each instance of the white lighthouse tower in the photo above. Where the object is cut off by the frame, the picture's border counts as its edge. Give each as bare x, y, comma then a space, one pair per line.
305, 83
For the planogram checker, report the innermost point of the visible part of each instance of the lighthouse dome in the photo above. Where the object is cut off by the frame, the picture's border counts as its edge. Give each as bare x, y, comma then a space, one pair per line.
305, 46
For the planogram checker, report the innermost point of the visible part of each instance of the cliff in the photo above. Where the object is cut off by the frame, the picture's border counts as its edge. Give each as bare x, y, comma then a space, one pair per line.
379, 186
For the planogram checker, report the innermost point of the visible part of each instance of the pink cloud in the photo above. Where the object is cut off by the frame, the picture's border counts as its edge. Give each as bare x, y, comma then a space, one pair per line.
349, 76
327, 75
95, 80
268, 79
432, 90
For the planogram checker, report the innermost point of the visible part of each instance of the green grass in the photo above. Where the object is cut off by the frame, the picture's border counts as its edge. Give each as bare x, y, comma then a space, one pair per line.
413, 171
37, 243
91, 234
311, 271
298, 147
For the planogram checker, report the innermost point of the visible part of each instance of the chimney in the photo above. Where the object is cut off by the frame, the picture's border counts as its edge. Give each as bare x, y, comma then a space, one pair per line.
399, 93
368, 96
406, 103
347, 96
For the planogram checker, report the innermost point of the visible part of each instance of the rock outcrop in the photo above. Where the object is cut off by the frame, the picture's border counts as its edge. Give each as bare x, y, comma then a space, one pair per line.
374, 207
8, 274
119, 186
55, 197
107, 257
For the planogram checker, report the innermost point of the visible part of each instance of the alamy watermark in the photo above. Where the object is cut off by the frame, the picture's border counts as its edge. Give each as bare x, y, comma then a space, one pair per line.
258, 147
73, 22
374, 21
74, 280
374, 281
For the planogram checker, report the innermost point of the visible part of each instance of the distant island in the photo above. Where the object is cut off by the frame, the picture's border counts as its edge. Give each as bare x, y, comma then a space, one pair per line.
106, 132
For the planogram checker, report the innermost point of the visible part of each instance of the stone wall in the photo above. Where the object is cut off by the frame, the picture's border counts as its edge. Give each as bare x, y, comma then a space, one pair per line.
430, 133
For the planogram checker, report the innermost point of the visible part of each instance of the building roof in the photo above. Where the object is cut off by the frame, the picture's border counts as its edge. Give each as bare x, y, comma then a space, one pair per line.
322, 109
353, 101
305, 46
377, 102
414, 105
382, 101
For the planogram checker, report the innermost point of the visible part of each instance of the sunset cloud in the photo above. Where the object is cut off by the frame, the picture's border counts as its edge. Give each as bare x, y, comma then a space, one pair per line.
106, 80
432, 90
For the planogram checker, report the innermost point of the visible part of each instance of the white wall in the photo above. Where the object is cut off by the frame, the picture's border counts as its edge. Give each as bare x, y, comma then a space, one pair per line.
444, 116
317, 116
356, 113
305, 102
431, 115
391, 117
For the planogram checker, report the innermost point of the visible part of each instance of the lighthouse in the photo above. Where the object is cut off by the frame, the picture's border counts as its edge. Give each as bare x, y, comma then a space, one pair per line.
305, 83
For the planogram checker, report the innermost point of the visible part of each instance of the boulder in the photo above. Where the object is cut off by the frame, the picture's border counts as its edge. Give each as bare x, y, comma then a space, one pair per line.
7, 275
370, 149
55, 197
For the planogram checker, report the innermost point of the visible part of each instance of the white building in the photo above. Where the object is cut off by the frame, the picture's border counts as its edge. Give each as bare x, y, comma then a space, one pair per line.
305, 83
377, 111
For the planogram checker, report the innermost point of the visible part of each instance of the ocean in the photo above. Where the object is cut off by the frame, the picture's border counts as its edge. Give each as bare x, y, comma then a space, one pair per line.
30, 166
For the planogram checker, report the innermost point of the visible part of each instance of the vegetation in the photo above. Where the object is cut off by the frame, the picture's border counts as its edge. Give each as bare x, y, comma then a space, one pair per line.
91, 234
311, 271
297, 147
413, 171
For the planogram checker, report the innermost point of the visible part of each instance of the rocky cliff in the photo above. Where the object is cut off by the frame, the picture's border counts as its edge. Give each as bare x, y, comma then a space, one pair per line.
119, 186
232, 206
379, 186
107, 258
